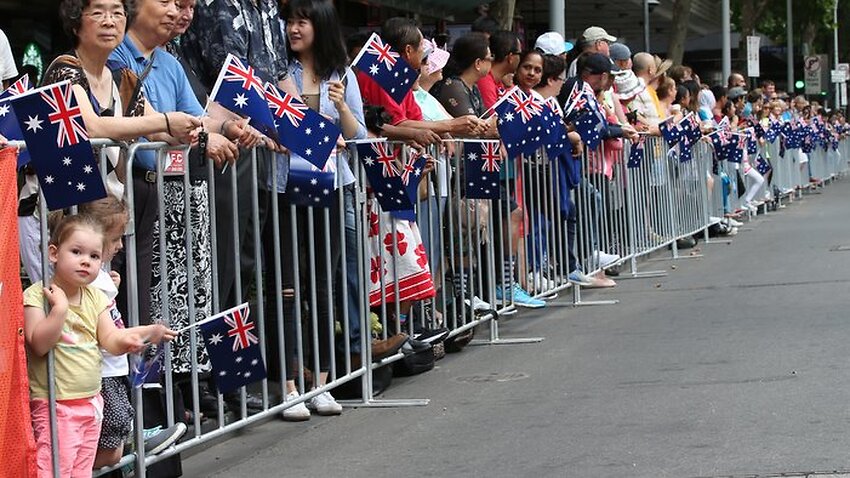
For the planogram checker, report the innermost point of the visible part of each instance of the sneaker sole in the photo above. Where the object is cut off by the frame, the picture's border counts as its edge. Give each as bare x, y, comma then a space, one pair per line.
168, 441
294, 418
530, 306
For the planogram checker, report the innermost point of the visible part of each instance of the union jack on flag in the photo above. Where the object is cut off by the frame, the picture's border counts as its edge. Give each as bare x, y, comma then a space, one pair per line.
9, 127
385, 180
481, 181
53, 128
66, 113
233, 348
386, 67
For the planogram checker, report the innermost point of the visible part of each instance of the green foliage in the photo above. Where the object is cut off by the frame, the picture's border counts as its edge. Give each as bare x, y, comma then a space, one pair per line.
813, 16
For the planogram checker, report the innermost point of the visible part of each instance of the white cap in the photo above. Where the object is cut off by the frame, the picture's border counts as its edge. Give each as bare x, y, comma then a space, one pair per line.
552, 43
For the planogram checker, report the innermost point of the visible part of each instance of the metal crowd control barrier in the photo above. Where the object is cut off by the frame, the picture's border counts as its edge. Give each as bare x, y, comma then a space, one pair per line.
478, 252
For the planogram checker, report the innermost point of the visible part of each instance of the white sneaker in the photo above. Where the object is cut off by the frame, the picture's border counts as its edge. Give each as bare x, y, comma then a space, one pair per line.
733, 223
325, 404
539, 282
604, 259
297, 412
478, 303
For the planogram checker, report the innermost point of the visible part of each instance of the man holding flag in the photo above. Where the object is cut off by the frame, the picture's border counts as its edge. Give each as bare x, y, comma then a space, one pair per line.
404, 39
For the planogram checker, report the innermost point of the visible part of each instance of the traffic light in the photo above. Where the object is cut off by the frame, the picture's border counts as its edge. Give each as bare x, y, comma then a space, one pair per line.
799, 84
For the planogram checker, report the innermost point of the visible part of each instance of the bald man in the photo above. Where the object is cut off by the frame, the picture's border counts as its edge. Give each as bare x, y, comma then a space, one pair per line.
737, 80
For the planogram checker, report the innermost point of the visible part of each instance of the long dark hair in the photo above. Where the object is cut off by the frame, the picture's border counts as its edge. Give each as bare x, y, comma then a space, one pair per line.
467, 49
329, 54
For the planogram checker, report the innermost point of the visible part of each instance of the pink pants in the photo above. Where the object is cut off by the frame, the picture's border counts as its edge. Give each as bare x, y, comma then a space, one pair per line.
78, 423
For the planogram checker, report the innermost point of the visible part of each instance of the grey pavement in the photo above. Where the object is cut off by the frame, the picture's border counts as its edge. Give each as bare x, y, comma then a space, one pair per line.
734, 364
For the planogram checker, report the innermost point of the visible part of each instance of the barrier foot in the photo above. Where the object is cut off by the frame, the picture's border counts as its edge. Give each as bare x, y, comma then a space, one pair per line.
596, 302
642, 275
518, 341
385, 403
718, 241
689, 256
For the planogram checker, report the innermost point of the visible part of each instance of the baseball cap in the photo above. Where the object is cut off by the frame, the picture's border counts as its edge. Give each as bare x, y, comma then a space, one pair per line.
593, 34
552, 43
619, 52
597, 63
735, 93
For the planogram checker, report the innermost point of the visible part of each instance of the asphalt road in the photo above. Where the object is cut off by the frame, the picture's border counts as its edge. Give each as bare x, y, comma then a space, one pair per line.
734, 364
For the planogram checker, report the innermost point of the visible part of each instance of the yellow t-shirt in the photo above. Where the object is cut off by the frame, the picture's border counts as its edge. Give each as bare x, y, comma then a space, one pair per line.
77, 355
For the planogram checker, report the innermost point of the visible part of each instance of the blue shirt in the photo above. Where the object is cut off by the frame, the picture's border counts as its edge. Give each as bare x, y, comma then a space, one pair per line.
166, 86
328, 109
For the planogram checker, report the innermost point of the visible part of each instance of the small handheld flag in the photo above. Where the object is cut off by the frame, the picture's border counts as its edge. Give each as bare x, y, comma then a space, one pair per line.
637, 153
234, 349
9, 127
481, 165
302, 130
383, 65
52, 125
310, 186
240, 90
379, 161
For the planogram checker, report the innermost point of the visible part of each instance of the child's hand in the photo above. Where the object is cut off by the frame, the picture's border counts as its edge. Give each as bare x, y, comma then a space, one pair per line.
131, 342
159, 332
116, 278
57, 299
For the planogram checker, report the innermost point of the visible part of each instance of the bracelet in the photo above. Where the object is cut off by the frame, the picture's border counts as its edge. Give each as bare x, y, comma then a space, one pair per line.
223, 127
167, 125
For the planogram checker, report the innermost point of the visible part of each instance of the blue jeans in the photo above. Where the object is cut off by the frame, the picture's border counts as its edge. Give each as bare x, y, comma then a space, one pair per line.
352, 279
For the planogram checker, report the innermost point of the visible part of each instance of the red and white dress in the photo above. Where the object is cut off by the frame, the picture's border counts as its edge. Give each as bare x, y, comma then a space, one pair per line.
402, 261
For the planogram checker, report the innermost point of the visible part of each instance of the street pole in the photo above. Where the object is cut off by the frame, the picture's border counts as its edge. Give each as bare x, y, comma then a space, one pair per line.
835, 53
790, 34
556, 16
726, 43
646, 26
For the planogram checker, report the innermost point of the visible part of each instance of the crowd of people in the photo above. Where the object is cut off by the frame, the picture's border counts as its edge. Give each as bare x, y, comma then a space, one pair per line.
147, 76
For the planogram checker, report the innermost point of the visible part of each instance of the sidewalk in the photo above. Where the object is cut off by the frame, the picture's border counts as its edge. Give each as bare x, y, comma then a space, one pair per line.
735, 363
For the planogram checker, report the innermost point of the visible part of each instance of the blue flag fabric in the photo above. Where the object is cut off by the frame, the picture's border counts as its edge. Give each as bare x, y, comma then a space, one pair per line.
240, 90
553, 117
9, 126
752, 141
481, 165
411, 175
637, 153
148, 367
772, 131
520, 123
736, 147
670, 131
386, 68
379, 161
308, 185
62, 156
720, 141
762, 165
685, 149
302, 130
234, 349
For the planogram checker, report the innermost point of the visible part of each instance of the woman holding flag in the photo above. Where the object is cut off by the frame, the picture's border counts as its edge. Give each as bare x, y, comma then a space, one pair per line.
326, 85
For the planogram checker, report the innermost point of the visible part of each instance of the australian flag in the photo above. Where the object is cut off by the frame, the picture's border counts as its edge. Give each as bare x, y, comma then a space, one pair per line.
720, 141
558, 143
752, 141
308, 185
481, 165
520, 122
9, 127
52, 125
390, 185
637, 153
302, 130
386, 68
689, 127
670, 131
234, 349
685, 149
762, 165
240, 90
736, 147
772, 131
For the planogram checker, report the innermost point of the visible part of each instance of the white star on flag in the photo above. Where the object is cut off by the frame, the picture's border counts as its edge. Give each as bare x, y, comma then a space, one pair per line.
87, 169
216, 339
48, 179
240, 100
33, 123
472, 156
4, 109
81, 187
66, 161
308, 131
373, 70
509, 117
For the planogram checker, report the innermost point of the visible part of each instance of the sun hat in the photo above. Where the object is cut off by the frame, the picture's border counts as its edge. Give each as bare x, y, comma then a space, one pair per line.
628, 85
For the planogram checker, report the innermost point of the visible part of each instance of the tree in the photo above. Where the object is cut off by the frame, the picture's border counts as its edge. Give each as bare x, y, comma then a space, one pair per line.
503, 12
679, 32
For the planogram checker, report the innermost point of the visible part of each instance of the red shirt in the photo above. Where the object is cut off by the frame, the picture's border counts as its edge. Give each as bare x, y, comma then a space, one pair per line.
489, 89
373, 94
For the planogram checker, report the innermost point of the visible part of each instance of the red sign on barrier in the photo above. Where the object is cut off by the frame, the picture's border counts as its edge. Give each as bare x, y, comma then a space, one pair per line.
175, 163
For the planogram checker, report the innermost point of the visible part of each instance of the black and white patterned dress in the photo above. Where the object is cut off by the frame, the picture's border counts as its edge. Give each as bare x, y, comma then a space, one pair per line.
177, 287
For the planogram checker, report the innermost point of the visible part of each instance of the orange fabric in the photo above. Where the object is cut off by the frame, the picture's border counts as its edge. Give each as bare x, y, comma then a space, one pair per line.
17, 444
